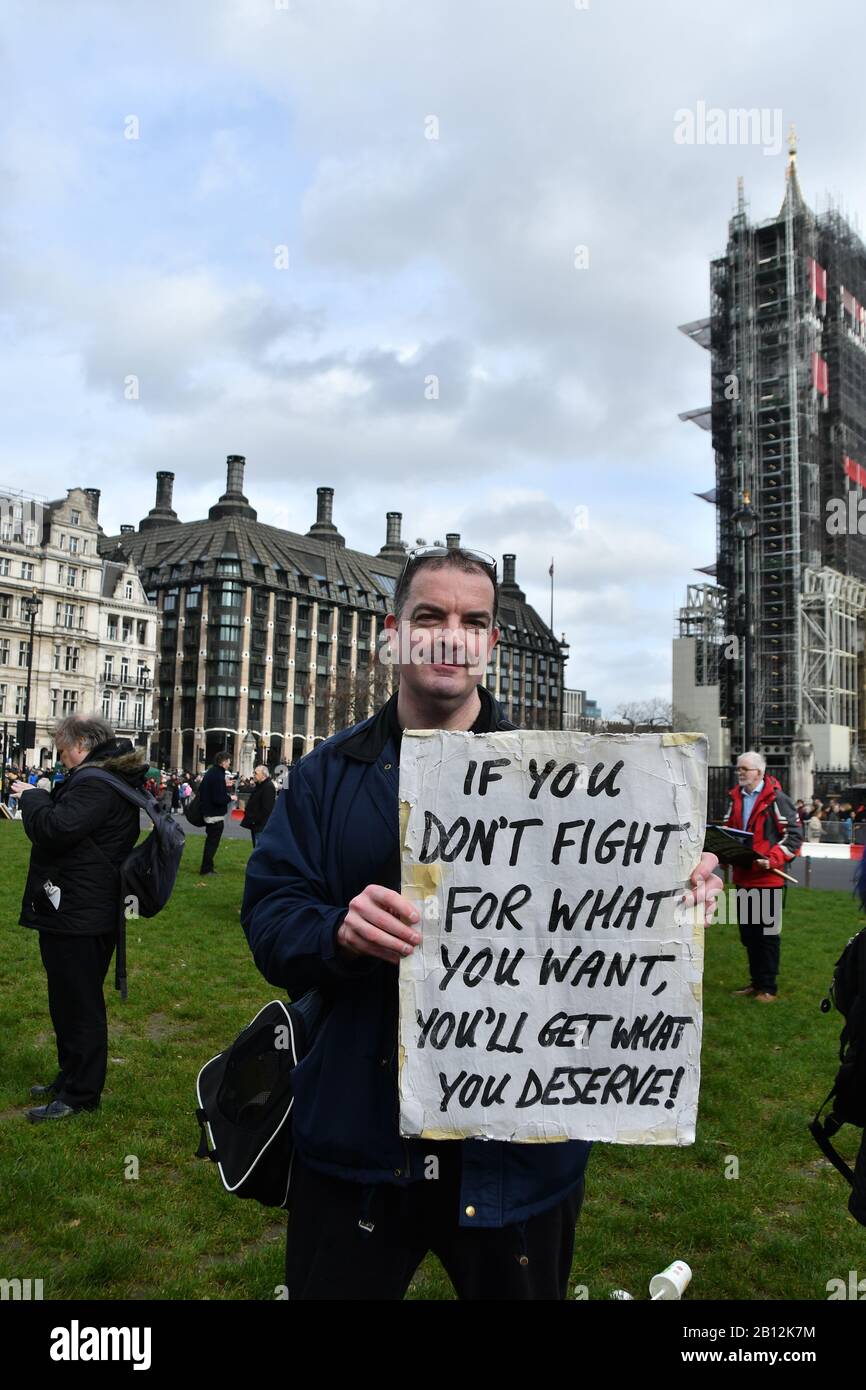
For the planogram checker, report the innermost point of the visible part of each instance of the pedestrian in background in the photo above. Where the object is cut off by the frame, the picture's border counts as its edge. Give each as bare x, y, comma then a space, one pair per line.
814, 826
260, 804
81, 832
759, 805
214, 799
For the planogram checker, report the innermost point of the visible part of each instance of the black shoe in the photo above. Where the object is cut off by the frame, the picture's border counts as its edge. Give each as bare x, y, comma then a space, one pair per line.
49, 1090
203, 873
57, 1110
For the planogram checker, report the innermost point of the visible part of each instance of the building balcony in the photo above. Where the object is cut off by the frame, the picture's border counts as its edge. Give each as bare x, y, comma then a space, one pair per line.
133, 725
114, 678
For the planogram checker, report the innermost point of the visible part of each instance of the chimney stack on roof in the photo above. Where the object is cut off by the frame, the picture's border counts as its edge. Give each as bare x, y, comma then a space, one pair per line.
394, 548
127, 530
509, 586
233, 502
452, 540
235, 465
161, 513
93, 495
324, 506
323, 527
164, 489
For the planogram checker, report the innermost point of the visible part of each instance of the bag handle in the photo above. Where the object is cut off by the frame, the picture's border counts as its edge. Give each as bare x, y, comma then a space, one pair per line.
821, 1134
203, 1151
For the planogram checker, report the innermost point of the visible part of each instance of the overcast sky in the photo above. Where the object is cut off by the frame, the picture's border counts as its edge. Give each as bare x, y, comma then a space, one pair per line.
342, 238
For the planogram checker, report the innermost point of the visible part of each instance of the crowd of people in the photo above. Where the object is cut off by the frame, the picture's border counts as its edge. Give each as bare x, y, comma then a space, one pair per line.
33, 776
833, 821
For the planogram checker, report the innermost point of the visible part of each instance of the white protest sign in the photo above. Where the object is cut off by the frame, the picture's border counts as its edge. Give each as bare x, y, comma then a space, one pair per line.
557, 990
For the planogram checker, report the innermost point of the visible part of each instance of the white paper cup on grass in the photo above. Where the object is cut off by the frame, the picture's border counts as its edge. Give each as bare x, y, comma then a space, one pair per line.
672, 1282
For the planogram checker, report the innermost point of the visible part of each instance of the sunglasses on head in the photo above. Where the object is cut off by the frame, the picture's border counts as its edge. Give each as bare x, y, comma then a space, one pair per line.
425, 552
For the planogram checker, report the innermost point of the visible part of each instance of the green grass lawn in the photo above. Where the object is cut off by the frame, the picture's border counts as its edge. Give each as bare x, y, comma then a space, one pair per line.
70, 1216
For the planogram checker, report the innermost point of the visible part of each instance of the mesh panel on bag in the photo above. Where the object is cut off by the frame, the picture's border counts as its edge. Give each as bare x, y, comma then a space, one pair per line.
256, 1083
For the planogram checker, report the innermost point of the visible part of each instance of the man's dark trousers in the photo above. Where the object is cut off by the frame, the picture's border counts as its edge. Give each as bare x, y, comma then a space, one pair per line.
759, 915
213, 835
76, 967
332, 1252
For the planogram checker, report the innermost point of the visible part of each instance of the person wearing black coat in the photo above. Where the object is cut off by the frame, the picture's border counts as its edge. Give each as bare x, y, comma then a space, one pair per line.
260, 804
81, 833
214, 800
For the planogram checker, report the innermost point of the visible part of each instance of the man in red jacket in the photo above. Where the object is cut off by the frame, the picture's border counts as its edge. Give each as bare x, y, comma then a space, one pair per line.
758, 804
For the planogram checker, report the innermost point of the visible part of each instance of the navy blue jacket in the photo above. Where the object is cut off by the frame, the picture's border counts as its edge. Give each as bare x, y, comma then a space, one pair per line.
332, 833
213, 794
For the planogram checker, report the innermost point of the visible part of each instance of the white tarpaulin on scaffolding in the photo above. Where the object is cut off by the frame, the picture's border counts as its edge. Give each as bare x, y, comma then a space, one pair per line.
557, 990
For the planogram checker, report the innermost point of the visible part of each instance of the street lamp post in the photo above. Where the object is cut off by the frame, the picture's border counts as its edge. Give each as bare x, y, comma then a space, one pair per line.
143, 734
747, 522
31, 605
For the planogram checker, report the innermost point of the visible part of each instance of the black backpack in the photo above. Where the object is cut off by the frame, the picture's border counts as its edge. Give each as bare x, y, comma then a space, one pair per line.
193, 812
149, 871
848, 993
245, 1100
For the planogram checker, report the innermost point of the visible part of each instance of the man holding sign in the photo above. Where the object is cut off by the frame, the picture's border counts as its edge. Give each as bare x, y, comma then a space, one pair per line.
323, 907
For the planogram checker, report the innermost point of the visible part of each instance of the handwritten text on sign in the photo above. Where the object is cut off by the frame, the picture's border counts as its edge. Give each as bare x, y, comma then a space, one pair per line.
556, 993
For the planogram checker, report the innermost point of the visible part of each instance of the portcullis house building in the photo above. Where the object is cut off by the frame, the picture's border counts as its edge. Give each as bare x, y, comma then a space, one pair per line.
268, 638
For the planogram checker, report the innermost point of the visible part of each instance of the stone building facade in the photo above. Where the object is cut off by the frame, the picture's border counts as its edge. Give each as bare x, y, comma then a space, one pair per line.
50, 551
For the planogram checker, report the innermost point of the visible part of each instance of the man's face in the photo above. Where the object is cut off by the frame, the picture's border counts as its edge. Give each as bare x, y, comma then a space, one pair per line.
447, 626
72, 755
748, 776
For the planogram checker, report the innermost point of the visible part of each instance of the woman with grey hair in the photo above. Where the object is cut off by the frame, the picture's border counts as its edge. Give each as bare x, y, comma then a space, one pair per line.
81, 832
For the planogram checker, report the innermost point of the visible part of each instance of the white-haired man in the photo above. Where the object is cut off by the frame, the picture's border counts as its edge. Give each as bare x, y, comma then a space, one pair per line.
759, 805
260, 804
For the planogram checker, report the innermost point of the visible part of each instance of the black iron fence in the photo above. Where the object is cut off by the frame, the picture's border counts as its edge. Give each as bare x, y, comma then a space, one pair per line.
719, 783
832, 784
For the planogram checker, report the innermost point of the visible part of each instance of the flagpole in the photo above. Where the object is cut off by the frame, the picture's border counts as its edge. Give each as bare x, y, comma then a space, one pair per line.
551, 593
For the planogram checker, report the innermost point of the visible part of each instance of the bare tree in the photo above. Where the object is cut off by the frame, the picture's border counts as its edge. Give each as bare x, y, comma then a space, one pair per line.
630, 712
658, 713
645, 715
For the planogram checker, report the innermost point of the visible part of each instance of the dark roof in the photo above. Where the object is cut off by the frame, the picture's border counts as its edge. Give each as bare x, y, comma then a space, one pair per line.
111, 572
250, 551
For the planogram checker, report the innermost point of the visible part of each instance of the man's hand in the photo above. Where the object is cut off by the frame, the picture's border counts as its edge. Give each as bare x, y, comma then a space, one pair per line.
762, 864
380, 923
707, 886
19, 787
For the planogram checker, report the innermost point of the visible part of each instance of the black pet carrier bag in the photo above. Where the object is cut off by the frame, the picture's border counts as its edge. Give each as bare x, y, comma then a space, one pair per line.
245, 1100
